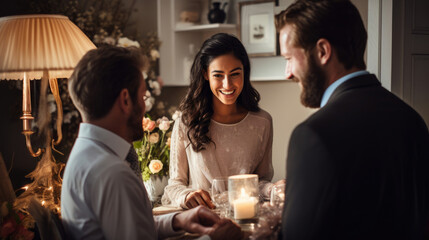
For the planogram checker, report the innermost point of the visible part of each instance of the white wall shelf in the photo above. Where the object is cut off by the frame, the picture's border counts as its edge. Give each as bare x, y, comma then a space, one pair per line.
204, 27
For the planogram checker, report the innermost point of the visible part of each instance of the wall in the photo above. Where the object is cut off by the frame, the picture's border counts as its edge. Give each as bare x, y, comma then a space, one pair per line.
282, 100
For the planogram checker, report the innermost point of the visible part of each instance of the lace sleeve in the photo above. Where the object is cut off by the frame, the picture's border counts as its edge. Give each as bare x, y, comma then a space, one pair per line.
177, 189
265, 168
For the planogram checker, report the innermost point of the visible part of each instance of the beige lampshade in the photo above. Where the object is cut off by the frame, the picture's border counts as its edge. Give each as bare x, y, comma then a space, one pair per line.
33, 43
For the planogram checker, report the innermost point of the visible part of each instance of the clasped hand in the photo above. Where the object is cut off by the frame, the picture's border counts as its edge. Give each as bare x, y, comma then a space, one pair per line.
203, 221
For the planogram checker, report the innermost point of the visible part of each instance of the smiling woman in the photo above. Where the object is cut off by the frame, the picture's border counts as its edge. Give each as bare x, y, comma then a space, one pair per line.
225, 75
222, 130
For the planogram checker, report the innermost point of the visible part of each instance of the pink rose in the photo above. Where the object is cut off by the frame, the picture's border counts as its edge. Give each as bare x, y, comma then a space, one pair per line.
154, 138
163, 123
148, 125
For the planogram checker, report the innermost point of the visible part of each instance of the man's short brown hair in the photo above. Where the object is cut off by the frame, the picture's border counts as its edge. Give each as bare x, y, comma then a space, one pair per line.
338, 21
100, 76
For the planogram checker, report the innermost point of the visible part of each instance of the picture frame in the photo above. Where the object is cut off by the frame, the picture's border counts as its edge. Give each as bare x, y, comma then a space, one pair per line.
256, 27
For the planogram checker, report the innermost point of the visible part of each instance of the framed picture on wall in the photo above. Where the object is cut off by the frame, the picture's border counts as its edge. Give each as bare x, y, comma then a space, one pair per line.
256, 26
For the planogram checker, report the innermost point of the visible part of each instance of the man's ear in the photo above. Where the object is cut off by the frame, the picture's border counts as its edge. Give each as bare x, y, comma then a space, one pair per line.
323, 51
124, 101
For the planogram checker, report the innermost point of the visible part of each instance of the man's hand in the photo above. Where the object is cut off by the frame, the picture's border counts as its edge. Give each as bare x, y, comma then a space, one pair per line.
199, 198
226, 229
197, 220
203, 221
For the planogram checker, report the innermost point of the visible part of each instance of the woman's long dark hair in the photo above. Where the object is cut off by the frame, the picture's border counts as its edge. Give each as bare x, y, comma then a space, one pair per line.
197, 107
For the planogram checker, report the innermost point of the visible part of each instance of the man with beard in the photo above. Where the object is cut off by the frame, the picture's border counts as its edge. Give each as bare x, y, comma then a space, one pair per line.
358, 167
103, 196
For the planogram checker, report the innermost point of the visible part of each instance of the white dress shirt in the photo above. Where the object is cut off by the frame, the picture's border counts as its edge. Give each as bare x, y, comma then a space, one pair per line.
101, 197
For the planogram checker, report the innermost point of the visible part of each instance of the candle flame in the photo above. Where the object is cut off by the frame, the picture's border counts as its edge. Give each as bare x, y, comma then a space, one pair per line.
43, 202
50, 188
25, 188
244, 194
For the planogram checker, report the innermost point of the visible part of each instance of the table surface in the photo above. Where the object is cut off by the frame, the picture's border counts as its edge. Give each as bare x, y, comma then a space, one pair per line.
160, 210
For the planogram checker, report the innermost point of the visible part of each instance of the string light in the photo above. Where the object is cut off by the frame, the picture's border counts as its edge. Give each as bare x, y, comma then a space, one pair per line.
46, 185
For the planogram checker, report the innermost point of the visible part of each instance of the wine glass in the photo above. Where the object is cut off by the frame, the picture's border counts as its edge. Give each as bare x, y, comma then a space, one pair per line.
220, 195
278, 195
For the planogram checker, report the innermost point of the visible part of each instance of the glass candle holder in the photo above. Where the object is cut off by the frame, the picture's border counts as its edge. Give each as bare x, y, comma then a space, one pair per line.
243, 196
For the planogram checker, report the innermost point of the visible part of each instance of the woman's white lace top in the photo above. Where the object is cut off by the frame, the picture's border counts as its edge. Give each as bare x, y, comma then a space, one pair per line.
240, 148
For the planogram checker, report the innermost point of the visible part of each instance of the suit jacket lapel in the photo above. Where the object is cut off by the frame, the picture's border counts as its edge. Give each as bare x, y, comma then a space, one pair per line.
368, 80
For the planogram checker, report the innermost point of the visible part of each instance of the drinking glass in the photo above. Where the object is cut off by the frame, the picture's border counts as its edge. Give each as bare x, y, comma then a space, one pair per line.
244, 197
220, 195
278, 195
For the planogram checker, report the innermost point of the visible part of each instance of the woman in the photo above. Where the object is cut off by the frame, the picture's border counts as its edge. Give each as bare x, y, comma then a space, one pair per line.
222, 131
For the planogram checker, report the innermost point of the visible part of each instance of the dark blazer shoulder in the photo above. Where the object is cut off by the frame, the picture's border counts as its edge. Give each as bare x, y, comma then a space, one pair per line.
362, 81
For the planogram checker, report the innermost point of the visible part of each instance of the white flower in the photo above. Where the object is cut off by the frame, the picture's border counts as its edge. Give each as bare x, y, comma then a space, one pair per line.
154, 138
148, 94
126, 42
149, 102
156, 88
155, 166
68, 116
144, 75
176, 115
109, 40
52, 105
163, 123
154, 54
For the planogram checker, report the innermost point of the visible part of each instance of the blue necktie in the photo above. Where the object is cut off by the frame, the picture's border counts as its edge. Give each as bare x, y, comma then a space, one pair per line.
133, 159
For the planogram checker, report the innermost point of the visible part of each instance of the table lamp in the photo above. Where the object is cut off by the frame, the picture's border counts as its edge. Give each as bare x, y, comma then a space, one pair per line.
43, 47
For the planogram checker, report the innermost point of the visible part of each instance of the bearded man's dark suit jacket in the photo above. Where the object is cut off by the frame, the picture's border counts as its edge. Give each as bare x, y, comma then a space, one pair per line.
358, 168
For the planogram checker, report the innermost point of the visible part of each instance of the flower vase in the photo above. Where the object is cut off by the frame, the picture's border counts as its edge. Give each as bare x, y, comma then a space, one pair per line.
217, 14
155, 187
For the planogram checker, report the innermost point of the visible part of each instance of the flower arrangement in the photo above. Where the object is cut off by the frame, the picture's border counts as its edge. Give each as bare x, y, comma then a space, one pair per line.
14, 225
154, 148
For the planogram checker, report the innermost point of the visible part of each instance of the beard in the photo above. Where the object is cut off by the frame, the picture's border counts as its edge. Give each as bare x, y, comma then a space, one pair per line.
134, 123
313, 85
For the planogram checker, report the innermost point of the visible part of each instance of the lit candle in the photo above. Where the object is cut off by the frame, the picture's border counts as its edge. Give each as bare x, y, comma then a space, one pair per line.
244, 206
